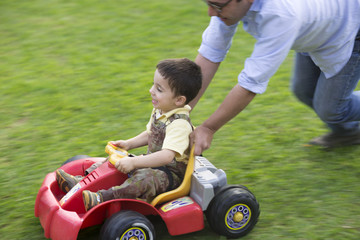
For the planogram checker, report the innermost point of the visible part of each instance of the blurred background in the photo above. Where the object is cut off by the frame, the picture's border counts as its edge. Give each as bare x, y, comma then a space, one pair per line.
76, 74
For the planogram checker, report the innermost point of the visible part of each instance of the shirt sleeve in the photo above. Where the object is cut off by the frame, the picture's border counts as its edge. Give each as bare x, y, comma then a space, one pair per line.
216, 40
276, 35
177, 136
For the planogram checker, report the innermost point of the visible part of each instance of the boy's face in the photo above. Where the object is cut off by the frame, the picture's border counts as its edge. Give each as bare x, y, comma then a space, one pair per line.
162, 96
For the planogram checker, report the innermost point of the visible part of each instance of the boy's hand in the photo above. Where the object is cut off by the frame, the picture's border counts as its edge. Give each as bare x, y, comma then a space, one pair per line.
125, 164
121, 144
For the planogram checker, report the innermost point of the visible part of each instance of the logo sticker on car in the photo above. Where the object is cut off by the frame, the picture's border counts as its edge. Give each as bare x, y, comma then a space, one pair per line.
180, 202
70, 193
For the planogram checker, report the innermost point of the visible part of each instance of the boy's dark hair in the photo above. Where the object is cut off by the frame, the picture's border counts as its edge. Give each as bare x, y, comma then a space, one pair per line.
183, 75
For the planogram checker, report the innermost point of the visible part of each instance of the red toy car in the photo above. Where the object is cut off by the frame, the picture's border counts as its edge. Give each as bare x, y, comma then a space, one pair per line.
231, 210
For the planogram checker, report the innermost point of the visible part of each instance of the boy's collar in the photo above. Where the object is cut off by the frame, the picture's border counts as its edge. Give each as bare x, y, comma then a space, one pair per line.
185, 108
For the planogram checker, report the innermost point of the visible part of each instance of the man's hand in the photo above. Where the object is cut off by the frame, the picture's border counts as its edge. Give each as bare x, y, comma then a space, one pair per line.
125, 164
201, 137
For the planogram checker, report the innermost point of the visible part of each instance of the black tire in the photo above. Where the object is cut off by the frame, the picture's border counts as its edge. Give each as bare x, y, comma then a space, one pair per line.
77, 157
233, 212
126, 224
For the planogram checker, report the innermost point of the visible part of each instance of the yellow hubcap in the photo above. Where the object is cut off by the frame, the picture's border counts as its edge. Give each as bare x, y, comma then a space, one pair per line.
133, 238
238, 217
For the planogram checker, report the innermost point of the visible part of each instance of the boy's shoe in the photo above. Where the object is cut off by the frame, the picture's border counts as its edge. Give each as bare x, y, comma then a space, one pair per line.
332, 140
66, 181
91, 199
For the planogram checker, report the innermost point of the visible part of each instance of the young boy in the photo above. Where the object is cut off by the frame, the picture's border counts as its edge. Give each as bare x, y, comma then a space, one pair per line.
176, 83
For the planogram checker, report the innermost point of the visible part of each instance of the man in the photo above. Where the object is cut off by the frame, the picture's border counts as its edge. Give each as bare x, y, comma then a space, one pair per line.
325, 35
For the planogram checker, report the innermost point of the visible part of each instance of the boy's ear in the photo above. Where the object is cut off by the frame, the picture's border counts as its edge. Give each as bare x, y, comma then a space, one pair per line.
180, 100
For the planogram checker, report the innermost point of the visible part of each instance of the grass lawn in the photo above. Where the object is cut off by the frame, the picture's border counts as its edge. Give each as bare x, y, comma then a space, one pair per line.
76, 74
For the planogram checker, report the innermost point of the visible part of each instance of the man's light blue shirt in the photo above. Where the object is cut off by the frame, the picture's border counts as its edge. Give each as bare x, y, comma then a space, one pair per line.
324, 29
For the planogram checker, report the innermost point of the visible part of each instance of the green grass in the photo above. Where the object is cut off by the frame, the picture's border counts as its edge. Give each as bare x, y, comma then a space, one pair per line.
76, 74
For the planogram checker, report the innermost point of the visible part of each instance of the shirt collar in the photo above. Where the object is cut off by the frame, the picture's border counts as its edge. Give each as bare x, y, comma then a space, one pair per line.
185, 110
256, 5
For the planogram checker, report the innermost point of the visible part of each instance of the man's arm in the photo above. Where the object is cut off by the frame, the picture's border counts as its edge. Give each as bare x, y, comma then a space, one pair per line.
208, 70
237, 99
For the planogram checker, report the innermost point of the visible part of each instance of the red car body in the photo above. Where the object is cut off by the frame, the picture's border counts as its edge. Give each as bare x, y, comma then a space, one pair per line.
63, 215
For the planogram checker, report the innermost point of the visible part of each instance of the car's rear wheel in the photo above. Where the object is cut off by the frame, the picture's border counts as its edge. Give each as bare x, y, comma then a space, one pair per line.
127, 225
233, 212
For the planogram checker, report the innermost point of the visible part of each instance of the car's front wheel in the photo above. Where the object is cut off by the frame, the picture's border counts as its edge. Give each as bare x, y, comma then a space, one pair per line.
77, 157
127, 225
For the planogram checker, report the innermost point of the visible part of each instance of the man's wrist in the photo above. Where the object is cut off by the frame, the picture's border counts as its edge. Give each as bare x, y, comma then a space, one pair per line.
209, 126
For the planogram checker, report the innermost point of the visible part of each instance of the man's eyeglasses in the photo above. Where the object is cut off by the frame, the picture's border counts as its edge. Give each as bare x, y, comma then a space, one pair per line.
217, 6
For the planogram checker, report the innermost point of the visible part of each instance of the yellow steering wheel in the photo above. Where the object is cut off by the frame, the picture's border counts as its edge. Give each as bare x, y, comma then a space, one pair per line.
115, 153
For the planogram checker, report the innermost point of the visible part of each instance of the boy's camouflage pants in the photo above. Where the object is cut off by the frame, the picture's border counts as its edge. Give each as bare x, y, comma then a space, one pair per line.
144, 184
